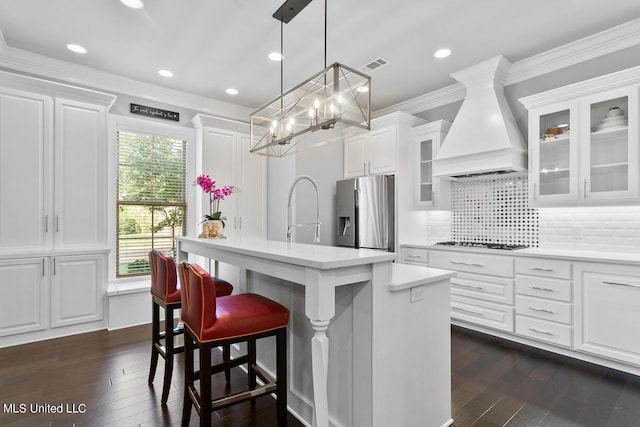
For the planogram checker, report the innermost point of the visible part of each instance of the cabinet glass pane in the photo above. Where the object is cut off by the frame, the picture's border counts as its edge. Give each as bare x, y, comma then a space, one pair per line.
426, 192
555, 153
426, 171
609, 146
426, 150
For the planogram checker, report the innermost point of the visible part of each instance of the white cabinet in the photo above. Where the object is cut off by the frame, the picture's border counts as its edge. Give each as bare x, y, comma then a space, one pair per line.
414, 255
226, 158
77, 289
482, 291
584, 150
25, 170
430, 192
80, 156
544, 309
52, 172
51, 292
25, 295
372, 153
608, 311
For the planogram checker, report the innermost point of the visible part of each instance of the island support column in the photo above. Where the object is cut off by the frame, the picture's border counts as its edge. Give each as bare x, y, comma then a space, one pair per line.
320, 309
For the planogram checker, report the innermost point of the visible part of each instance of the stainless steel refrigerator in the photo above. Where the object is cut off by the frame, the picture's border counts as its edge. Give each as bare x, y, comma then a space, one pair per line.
365, 209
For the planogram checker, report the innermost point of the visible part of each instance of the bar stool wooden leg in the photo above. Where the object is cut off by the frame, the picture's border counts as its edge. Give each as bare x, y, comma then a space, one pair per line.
251, 371
205, 385
281, 373
169, 350
226, 357
188, 378
155, 337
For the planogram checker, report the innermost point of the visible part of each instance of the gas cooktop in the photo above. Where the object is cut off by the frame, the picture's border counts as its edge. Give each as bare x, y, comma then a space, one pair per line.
503, 246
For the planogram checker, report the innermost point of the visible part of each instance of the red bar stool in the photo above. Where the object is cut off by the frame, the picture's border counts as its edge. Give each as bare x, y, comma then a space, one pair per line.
210, 322
165, 294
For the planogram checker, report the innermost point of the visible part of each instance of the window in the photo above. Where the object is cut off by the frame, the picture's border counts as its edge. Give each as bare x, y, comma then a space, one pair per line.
151, 200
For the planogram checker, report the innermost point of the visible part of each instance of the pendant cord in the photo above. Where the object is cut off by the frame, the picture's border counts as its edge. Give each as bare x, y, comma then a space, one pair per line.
325, 33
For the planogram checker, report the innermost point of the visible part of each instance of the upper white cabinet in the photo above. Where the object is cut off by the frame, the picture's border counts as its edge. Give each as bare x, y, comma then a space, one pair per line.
25, 169
372, 153
430, 192
583, 150
79, 219
52, 166
226, 158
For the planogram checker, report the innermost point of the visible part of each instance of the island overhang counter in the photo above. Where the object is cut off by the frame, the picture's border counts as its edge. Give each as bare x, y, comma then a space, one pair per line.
389, 327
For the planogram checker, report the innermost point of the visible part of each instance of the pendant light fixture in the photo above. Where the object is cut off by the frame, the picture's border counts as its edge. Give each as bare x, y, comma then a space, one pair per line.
336, 97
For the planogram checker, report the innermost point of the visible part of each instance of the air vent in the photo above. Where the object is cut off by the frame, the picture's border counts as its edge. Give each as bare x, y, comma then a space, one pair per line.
374, 65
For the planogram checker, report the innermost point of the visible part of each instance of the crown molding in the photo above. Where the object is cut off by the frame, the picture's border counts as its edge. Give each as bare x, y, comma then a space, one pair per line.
428, 101
599, 44
17, 60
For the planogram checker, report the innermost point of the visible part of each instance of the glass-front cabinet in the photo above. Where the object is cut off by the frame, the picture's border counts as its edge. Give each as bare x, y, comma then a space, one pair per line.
610, 163
430, 192
584, 151
556, 158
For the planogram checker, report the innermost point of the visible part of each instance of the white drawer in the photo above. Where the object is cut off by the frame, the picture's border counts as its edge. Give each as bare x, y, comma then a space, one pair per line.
543, 287
414, 255
543, 330
555, 311
497, 289
544, 267
482, 313
495, 265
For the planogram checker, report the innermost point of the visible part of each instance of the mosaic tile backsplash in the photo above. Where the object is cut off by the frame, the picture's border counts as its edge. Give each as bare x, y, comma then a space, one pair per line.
494, 210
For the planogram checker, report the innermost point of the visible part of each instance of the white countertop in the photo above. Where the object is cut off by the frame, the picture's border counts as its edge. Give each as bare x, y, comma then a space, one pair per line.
306, 255
405, 276
629, 258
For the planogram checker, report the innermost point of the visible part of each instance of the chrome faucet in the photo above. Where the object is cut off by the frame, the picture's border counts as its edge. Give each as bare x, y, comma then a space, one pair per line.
316, 224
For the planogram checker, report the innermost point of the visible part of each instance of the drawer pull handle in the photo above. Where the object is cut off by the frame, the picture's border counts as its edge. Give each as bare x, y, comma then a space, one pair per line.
541, 332
541, 269
539, 288
477, 313
629, 285
544, 310
468, 286
414, 256
471, 264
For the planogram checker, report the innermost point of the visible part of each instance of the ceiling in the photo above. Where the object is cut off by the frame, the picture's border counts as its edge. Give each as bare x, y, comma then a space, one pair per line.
211, 45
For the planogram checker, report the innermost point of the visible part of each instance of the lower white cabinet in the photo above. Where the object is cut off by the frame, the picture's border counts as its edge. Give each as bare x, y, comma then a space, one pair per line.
47, 292
608, 311
24, 290
77, 290
414, 255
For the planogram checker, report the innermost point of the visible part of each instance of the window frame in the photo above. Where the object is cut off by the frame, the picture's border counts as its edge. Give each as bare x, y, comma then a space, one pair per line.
148, 127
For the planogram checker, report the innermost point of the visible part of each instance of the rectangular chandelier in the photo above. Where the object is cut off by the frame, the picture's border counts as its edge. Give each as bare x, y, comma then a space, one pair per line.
337, 97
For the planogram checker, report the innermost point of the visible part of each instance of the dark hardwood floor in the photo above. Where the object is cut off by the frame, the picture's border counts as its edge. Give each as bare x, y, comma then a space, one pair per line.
495, 383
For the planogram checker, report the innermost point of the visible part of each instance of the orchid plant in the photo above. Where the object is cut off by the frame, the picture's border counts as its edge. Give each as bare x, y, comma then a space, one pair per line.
216, 194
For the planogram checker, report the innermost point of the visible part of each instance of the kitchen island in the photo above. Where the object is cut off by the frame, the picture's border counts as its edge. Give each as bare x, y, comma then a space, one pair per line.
389, 362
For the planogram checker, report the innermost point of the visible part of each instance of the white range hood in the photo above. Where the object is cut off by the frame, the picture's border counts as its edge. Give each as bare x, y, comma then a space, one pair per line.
484, 137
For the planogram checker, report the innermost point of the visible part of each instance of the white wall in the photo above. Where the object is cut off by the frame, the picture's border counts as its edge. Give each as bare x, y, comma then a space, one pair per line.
324, 165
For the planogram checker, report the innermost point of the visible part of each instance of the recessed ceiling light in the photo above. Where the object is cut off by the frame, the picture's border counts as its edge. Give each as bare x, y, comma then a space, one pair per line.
232, 91
363, 89
165, 73
135, 4
442, 53
76, 48
275, 56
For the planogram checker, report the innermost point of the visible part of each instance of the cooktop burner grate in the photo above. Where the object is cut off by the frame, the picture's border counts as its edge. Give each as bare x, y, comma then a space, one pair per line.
503, 246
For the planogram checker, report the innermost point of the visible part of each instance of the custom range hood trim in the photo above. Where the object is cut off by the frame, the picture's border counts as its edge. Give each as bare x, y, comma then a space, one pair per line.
484, 137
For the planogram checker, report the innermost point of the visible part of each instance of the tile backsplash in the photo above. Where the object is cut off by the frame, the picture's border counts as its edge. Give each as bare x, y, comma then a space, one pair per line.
607, 228
494, 209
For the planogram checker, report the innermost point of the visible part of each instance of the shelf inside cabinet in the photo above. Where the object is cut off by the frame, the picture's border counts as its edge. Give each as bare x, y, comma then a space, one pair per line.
620, 165
563, 138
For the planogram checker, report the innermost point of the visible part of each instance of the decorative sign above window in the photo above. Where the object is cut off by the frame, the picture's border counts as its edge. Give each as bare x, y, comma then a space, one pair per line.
154, 112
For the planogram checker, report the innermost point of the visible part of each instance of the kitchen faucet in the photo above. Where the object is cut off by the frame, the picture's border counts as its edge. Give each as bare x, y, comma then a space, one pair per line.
316, 224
